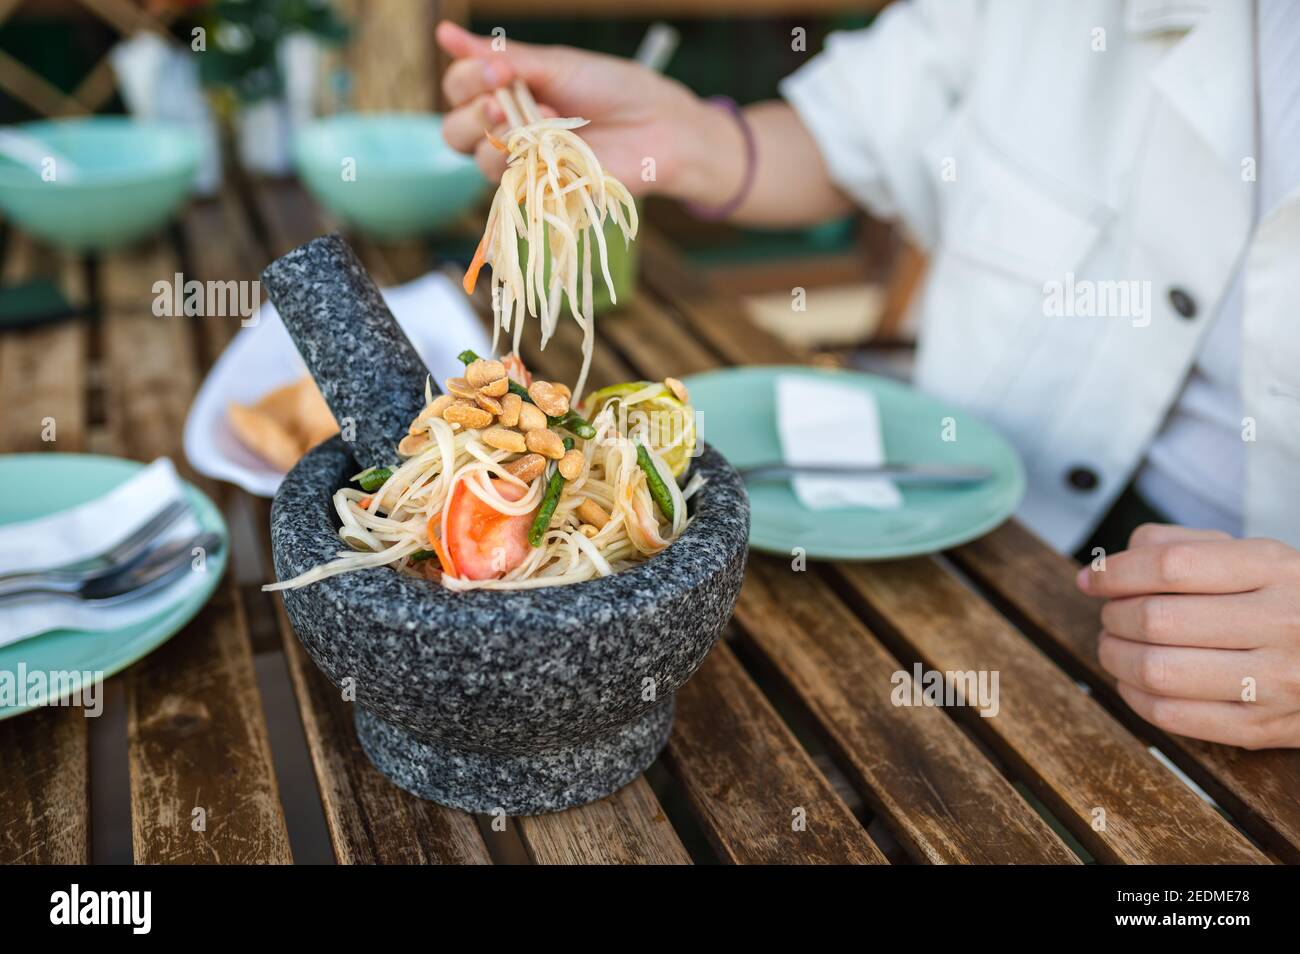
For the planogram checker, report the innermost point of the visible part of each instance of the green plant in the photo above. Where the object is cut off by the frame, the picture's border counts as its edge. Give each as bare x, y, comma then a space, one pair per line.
242, 36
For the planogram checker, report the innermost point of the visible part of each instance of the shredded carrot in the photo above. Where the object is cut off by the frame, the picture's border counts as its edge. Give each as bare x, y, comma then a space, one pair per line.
443, 556
497, 144
364, 503
476, 263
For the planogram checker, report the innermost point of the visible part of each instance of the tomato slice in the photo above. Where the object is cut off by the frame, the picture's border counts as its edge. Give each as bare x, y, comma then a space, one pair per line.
482, 543
516, 370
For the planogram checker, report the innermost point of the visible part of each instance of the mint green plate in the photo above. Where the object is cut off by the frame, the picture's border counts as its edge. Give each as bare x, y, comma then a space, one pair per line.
738, 416
131, 177
54, 482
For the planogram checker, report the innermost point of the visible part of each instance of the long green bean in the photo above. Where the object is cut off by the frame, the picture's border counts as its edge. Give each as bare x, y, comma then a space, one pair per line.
550, 500
373, 479
655, 483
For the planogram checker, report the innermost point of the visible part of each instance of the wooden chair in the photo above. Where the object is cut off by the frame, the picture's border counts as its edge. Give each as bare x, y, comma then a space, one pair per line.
98, 85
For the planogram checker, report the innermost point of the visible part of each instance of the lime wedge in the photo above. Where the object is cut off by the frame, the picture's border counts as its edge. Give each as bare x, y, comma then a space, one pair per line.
669, 422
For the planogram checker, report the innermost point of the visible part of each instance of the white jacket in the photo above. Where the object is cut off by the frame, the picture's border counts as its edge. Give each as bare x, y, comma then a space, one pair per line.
1033, 147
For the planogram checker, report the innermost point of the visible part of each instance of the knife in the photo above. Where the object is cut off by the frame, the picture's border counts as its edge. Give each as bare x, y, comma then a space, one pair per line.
914, 474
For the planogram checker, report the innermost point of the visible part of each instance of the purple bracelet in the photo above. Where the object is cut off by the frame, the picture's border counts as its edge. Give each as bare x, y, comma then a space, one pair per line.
717, 213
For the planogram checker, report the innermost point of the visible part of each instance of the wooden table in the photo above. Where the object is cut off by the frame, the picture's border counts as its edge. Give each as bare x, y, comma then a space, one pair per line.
786, 747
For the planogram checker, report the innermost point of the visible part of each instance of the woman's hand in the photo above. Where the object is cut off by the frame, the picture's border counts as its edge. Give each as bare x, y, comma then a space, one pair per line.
1203, 633
640, 120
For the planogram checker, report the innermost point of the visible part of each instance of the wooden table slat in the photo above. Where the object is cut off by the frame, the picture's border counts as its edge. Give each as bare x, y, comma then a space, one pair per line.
1078, 759
757, 793
941, 796
45, 801
1035, 584
197, 736
627, 828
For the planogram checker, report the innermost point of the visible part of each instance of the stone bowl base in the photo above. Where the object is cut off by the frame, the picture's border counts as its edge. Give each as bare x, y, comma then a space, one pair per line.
545, 781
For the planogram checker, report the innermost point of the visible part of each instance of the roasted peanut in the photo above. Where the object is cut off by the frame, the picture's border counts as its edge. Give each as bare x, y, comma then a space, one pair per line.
549, 398
487, 403
531, 417
678, 389
510, 405
412, 444
588, 531
461, 388
593, 513
484, 371
457, 402
440, 404
546, 442
495, 388
503, 438
526, 468
466, 415
570, 465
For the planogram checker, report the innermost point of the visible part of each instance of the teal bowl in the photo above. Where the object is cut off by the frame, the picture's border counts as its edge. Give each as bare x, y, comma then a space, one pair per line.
130, 178
389, 175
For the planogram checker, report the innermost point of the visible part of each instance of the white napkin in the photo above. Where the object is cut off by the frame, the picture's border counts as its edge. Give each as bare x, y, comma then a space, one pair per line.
432, 311
820, 421
83, 532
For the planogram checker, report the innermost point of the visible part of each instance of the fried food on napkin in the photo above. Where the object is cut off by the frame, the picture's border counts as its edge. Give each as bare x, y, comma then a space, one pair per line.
284, 424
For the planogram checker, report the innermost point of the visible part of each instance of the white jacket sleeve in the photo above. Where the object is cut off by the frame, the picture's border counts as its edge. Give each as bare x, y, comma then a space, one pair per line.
875, 97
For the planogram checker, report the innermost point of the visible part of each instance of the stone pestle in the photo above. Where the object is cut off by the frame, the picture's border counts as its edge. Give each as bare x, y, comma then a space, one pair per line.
364, 364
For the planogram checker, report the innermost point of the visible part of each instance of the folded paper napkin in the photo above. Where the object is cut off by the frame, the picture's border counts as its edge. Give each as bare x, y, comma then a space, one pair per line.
820, 421
81, 533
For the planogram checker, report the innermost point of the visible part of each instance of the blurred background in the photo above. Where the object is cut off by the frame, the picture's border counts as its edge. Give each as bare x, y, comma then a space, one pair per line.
249, 80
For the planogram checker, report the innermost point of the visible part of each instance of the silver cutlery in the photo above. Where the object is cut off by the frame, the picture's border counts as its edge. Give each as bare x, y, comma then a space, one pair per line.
912, 474
116, 584
122, 553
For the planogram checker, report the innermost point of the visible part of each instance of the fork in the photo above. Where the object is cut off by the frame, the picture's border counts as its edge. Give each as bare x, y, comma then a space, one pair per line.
118, 555
119, 583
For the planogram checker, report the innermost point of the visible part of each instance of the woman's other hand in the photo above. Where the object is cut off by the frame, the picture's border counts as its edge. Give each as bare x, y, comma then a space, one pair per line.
1202, 631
